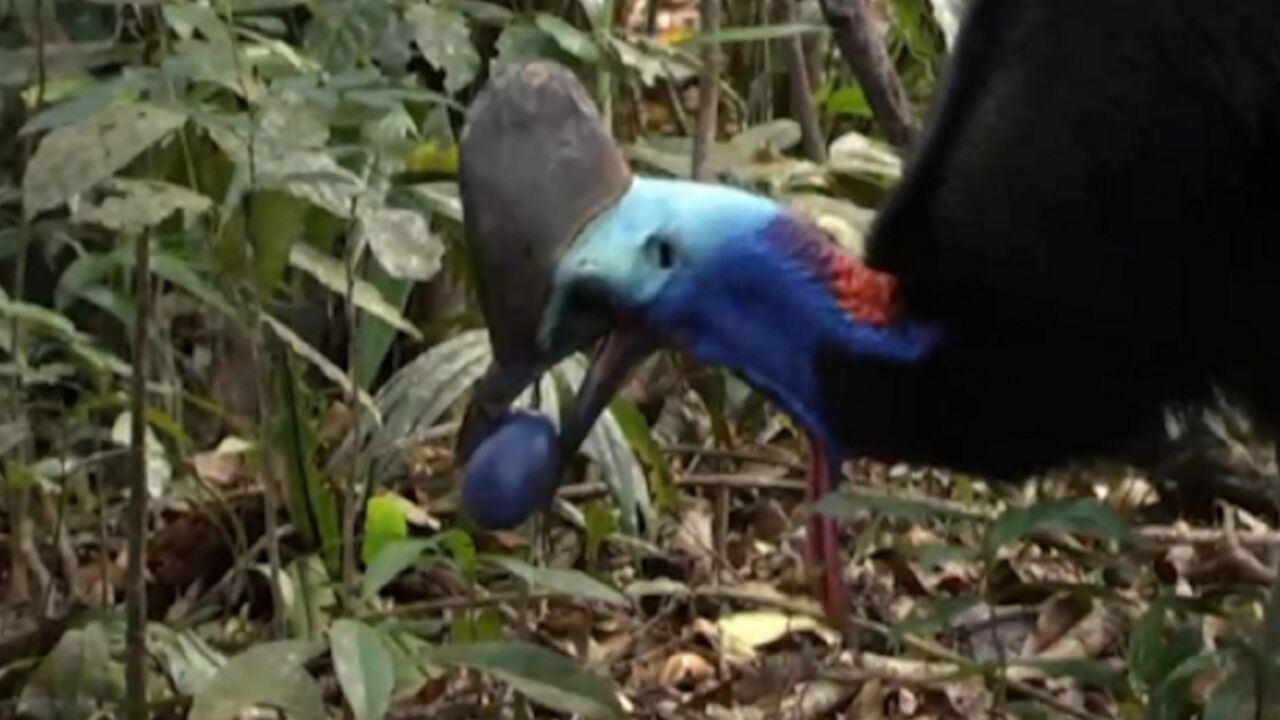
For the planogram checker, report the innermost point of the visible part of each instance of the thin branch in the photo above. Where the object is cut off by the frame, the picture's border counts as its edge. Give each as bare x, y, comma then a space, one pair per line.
708, 91
801, 88
135, 582
862, 49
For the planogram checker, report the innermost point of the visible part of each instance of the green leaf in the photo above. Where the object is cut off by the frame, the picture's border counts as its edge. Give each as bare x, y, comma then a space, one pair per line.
601, 522
484, 625
83, 106
391, 560
568, 582
402, 242
312, 505
342, 33
275, 221
521, 42
545, 677
74, 158
570, 39
374, 338
1078, 517
363, 666
635, 429
444, 39
159, 471
384, 523
1235, 698
74, 678
414, 399
131, 206
187, 659
754, 34
1092, 672
330, 273
267, 674
317, 359
461, 546
608, 447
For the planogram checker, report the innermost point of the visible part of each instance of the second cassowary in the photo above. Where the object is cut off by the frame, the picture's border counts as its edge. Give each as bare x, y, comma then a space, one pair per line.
1086, 235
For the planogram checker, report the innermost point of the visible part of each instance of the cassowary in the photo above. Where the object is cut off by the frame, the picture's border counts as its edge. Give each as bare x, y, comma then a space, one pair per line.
1085, 235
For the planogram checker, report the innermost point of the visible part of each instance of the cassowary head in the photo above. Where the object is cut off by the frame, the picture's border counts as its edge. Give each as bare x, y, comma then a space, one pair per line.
730, 277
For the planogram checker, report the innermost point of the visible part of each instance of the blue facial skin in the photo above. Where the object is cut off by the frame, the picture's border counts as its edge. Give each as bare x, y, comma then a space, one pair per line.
512, 473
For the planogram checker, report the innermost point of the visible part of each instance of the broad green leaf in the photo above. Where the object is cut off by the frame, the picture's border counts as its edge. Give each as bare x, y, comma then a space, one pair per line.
570, 39
607, 446
545, 677
1235, 698
74, 158
269, 674
77, 109
344, 32
384, 524
521, 42
179, 272
331, 273
363, 666
317, 359
412, 401
569, 582
1078, 517
308, 594
402, 242
74, 679
187, 659
483, 625
461, 546
601, 522
392, 559
444, 39
313, 506
274, 222
159, 471
374, 338
635, 429
13, 434
131, 206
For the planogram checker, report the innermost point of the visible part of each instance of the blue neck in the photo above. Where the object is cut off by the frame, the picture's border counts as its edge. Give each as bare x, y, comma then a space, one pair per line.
761, 310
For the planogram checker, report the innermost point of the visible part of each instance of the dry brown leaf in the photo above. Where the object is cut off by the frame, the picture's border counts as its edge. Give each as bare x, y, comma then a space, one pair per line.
1057, 616
685, 670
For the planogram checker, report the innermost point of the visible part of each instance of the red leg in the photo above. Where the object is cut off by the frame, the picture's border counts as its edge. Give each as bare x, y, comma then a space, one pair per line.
822, 550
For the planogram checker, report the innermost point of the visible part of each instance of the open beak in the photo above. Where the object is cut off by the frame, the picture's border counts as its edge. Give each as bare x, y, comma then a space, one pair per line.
615, 357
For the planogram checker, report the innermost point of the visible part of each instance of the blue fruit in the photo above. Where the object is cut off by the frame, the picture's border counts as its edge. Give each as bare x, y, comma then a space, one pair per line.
513, 472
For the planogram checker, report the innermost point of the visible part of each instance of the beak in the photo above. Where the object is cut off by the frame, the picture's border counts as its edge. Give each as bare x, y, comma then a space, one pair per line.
616, 356
535, 163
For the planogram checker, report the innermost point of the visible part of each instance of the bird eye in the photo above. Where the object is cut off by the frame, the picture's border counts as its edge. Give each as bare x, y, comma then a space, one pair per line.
664, 251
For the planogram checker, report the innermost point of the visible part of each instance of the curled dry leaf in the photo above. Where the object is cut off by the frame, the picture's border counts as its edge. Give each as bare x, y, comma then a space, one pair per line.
685, 670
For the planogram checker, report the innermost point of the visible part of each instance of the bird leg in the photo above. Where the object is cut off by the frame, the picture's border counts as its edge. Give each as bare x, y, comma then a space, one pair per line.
821, 549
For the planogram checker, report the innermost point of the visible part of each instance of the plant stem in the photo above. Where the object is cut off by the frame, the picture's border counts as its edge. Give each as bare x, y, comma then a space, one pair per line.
135, 583
708, 91
855, 35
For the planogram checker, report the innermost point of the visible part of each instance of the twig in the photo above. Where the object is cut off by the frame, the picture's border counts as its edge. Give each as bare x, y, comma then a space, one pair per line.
921, 645
135, 582
865, 54
801, 89
708, 91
